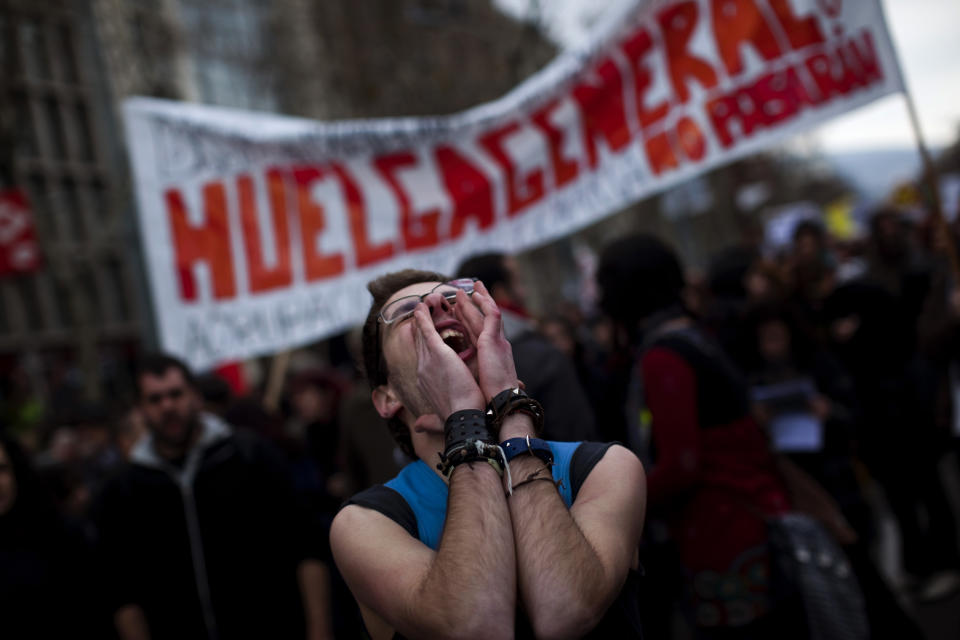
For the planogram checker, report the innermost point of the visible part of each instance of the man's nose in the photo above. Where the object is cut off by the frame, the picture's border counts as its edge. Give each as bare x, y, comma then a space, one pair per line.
166, 402
437, 303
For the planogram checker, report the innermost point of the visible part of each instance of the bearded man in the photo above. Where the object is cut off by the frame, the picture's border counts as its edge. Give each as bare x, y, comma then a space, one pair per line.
200, 534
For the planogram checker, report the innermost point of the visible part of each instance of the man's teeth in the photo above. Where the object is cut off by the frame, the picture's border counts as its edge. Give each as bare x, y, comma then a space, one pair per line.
446, 334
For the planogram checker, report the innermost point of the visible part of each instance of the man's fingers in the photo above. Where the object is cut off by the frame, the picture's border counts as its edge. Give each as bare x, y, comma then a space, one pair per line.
482, 288
491, 312
469, 315
427, 333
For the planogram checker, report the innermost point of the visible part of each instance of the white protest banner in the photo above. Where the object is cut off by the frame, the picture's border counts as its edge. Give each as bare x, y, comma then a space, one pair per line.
261, 231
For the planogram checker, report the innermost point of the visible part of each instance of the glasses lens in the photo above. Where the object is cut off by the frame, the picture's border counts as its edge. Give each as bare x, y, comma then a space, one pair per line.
463, 283
399, 308
449, 289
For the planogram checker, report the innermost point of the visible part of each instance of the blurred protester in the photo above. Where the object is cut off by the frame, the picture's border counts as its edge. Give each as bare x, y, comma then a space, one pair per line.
601, 374
873, 325
314, 421
894, 263
46, 569
99, 454
216, 393
727, 296
939, 337
545, 372
810, 271
130, 428
561, 332
200, 535
696, 293
803, 398
710, 459
765, 282
21, 411
710, 463
79, 456
317, 454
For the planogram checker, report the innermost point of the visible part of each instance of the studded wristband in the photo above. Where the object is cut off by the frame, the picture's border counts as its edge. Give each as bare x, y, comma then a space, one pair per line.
467, 438
512, 401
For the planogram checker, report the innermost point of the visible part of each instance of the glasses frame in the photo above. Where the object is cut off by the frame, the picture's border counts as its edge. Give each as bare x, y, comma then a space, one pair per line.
382, 320
420, 298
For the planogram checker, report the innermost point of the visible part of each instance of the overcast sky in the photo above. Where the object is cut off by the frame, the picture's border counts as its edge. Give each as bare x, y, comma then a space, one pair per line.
925, 32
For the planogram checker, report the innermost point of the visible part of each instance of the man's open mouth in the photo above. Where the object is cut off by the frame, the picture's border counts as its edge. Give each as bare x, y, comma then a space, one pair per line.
455, 339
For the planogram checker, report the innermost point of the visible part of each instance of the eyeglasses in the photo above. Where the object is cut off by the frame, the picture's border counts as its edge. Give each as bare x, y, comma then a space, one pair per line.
402, 308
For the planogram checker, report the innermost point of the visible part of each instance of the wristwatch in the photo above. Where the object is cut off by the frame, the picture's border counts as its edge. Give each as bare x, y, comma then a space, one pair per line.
534, 446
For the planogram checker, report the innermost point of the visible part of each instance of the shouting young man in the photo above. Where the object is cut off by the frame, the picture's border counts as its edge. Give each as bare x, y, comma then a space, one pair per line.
491, 532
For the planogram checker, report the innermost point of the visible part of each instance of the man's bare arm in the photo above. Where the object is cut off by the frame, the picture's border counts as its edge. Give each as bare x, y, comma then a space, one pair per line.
572, 564
466, 589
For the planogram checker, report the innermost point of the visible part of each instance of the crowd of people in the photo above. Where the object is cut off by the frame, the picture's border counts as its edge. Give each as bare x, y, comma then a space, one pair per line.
770, 398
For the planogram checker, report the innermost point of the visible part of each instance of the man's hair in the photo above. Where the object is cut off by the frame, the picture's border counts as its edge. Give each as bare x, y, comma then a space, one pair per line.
374, 366
489, 268
157, 364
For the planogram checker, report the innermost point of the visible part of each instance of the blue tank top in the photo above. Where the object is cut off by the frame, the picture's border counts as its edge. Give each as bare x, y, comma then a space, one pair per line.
426, 492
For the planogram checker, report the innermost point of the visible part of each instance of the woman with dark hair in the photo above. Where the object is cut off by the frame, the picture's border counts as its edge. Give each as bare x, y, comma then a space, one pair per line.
713, 480
45, 572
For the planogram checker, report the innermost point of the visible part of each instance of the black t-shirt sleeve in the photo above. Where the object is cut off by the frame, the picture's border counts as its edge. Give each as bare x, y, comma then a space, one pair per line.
585, 458
390, 503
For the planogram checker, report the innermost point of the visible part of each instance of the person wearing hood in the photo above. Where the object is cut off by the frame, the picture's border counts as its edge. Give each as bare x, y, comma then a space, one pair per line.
200, 534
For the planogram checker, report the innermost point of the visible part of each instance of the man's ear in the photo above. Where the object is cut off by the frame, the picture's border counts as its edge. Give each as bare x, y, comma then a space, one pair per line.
386, 401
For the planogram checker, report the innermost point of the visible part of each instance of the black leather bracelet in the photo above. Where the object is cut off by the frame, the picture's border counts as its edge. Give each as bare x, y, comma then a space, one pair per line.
511, 401
468, 438
469, 424
472, 451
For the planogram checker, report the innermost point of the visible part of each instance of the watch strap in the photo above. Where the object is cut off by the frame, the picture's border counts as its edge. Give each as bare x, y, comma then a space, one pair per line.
536, 447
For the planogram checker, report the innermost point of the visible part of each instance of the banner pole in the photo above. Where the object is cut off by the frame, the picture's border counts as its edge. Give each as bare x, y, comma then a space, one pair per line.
933, 183
276, 376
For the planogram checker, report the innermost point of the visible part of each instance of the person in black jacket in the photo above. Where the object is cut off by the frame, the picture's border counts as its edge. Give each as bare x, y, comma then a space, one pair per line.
46, 569
200, 534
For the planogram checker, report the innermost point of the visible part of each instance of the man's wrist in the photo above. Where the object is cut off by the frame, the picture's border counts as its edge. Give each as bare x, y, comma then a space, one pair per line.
517, 425
462, 404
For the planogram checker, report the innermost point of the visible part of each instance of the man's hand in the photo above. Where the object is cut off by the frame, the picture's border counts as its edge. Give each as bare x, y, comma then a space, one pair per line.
443, 379
482, 320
